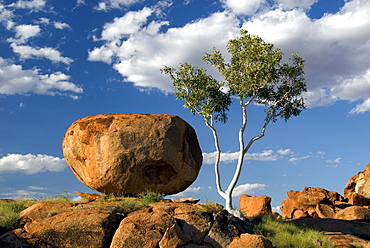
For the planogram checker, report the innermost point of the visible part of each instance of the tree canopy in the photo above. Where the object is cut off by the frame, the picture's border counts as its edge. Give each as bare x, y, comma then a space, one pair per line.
254, 74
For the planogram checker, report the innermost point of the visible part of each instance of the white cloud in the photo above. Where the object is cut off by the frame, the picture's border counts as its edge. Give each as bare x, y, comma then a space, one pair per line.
335, 48
28, 52
291, 4
244, 7
19, 194
24, 32
361, 108
188, 192
35, 188
116, 4
285, 152
337, 160
228, 157
61, 25
31, 164
295, 159
141, 49
32, 4
248, 189
15, 80
130, 23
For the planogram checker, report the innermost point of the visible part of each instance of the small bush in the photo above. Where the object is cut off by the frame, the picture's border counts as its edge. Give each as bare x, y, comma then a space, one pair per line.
9, 213
128, 206
150, 197
286, 235
213, 208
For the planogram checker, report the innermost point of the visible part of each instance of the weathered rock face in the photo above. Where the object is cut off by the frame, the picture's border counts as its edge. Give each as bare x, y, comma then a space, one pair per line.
133, 153
357, 190
307, 202
252, 206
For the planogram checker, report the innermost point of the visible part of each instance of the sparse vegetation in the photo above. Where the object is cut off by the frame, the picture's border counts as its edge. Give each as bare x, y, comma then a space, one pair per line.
213, 208
150, 197
58, 197
286, 235
128, 206
9, 213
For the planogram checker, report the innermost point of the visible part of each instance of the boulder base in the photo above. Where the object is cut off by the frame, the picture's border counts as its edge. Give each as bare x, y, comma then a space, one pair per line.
133, 153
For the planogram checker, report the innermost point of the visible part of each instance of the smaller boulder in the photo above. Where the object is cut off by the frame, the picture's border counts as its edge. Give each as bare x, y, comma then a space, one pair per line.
253, 206
353, 213
247, 240
325, 211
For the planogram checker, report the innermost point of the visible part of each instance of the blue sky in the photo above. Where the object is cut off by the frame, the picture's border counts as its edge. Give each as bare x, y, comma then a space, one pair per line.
64, 60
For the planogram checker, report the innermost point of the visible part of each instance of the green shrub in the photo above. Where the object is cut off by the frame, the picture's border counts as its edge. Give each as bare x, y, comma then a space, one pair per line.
150, 197
128, 206
213, 208
9, 213
286, 235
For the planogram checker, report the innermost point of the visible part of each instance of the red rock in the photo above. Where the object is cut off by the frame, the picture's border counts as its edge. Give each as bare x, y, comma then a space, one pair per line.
353, 213
304, 203
133, 153
247, 240
357, 190
81, 228
252, 206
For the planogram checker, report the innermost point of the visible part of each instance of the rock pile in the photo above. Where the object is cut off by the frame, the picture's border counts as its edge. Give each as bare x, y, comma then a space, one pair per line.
133, 153
322, 203
162, 224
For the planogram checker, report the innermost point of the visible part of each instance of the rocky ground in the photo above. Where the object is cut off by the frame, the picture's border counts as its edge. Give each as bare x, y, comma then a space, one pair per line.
163, 224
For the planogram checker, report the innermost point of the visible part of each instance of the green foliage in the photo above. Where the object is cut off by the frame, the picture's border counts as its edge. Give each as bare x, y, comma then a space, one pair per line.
9, 213
128, 206
213, 208
286, 235
255, 73
202, 93
150, 197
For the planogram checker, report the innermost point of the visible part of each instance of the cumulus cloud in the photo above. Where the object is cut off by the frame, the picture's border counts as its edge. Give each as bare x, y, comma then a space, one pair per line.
248, 189
16, 80
31, 164
335, 48
141, 49
244, 7
24, 32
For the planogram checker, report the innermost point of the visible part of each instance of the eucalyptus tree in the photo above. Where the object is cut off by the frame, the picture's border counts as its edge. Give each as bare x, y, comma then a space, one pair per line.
254, 75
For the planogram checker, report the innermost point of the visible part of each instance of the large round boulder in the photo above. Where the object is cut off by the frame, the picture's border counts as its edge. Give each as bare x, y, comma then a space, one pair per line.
133, 153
